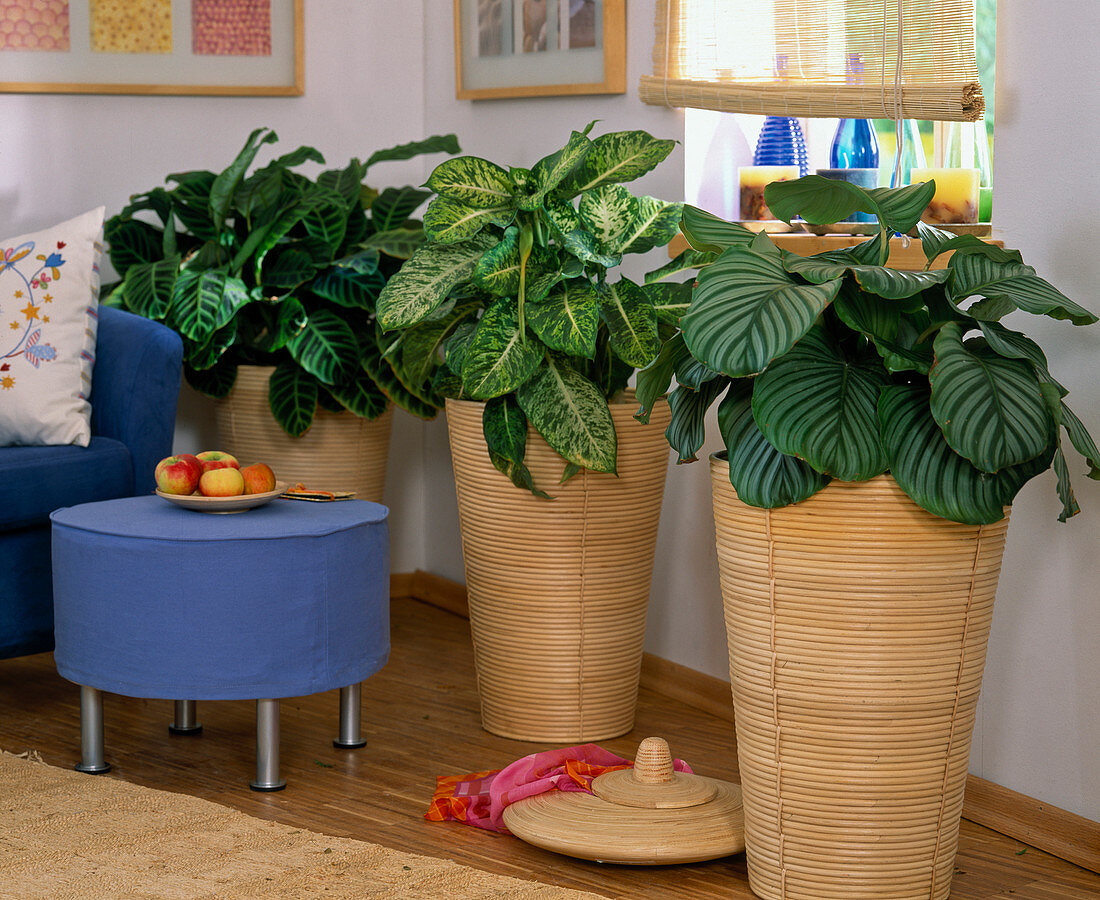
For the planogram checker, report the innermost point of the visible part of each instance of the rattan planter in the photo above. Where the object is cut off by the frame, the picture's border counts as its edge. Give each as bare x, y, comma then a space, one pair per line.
558, 589
340, 452
857, 626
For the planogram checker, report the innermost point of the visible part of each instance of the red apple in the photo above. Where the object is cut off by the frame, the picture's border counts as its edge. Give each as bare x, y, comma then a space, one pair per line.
178, 474
223, 482
258, 478
217, 459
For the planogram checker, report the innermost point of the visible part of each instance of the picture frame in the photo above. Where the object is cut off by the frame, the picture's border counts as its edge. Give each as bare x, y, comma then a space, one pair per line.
158, 47
539, 48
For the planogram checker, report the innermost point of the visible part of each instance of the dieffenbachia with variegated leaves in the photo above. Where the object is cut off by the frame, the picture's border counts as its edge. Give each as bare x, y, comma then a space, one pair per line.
837, 366
509, 300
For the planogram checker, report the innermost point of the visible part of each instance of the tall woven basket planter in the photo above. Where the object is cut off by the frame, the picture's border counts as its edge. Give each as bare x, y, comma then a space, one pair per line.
558, 589
857, 627
340, 451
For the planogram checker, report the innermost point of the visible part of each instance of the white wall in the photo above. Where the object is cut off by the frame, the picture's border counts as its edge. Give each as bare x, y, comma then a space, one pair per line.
379, 73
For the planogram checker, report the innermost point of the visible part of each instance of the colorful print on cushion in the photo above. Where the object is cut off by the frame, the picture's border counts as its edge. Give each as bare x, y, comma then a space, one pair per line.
27, 280
49, 301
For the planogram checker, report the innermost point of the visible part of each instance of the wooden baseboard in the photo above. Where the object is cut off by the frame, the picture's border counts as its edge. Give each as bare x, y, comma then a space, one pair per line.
1025, 819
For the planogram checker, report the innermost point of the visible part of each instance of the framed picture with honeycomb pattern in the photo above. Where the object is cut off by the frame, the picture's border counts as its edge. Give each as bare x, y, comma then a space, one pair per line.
211, 47
537, 48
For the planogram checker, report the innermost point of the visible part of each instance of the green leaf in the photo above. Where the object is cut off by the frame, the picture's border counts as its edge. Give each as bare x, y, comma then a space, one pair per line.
570, 412
360, 395
976, 274
392, 208
687, 261
191, 203
868, 314
568, 318
747, 309
325, 347
424, 282
686, 432
348, 288
292, 395
654, 380
132, 242
631, 322
473, 182
498, 269
1070, 507
550, 171
935, 242
505, 429
224, 186
608, 213
588, 249
990, 408
1082, 441
669, 300
893, 284
422, 345
693, 374
206, 354
446, 143
499, 358
617, 157
656, 223
821, 200
288, 268
707, 233
400, 243
147, 287
821, 406
448, 221
203, 303
216, 382
932, 474
384, 376
761, 475
345, 183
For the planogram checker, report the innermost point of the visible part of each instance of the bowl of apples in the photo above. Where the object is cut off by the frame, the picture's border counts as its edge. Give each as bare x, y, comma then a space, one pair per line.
213, 481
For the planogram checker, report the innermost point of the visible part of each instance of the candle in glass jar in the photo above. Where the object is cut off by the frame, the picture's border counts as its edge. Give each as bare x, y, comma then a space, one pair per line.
956, 199
753, 180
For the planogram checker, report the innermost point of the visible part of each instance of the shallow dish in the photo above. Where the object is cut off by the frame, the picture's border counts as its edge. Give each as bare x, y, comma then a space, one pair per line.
237, 504
771, 226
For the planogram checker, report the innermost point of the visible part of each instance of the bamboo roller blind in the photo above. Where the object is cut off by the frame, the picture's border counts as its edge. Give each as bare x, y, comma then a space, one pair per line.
790, 58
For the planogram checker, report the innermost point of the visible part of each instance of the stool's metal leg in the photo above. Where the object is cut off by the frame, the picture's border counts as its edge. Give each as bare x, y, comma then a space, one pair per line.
185, 721
267, 747
91, 732
350, 738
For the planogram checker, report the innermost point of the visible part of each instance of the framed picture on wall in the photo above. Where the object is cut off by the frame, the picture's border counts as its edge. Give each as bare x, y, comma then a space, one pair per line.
538, 48
227, 47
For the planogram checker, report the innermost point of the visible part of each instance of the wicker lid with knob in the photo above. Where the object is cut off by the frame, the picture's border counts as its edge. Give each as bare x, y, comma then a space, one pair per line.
648, 815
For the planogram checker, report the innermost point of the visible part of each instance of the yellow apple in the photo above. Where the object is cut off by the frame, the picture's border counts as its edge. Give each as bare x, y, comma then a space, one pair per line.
225, 482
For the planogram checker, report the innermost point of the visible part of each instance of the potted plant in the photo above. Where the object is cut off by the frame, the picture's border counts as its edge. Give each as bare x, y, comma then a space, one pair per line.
512, 301
271, 278
878, 424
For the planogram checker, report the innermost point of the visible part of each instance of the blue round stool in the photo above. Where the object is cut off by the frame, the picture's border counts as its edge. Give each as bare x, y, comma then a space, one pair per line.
155, 601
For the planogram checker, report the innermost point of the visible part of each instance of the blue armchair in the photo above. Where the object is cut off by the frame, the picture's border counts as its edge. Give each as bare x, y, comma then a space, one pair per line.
135, 386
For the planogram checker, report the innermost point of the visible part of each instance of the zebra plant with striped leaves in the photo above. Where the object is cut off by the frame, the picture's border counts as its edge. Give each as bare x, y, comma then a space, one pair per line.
273, 268
510, 300
836, 366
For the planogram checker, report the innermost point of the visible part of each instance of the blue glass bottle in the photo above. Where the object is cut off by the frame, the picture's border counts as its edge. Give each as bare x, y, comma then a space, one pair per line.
781, 142
854, 144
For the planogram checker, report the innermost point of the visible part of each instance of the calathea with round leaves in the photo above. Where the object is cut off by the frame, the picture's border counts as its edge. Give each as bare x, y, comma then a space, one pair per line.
509, 299
837, 366
274, 268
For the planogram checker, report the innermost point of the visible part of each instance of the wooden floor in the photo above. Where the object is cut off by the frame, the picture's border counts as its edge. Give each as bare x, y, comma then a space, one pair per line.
421, 720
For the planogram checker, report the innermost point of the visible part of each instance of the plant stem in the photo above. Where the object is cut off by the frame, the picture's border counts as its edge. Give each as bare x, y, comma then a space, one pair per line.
526, 242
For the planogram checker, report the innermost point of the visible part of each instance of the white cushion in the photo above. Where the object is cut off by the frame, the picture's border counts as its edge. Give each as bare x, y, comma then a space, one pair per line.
49, 302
